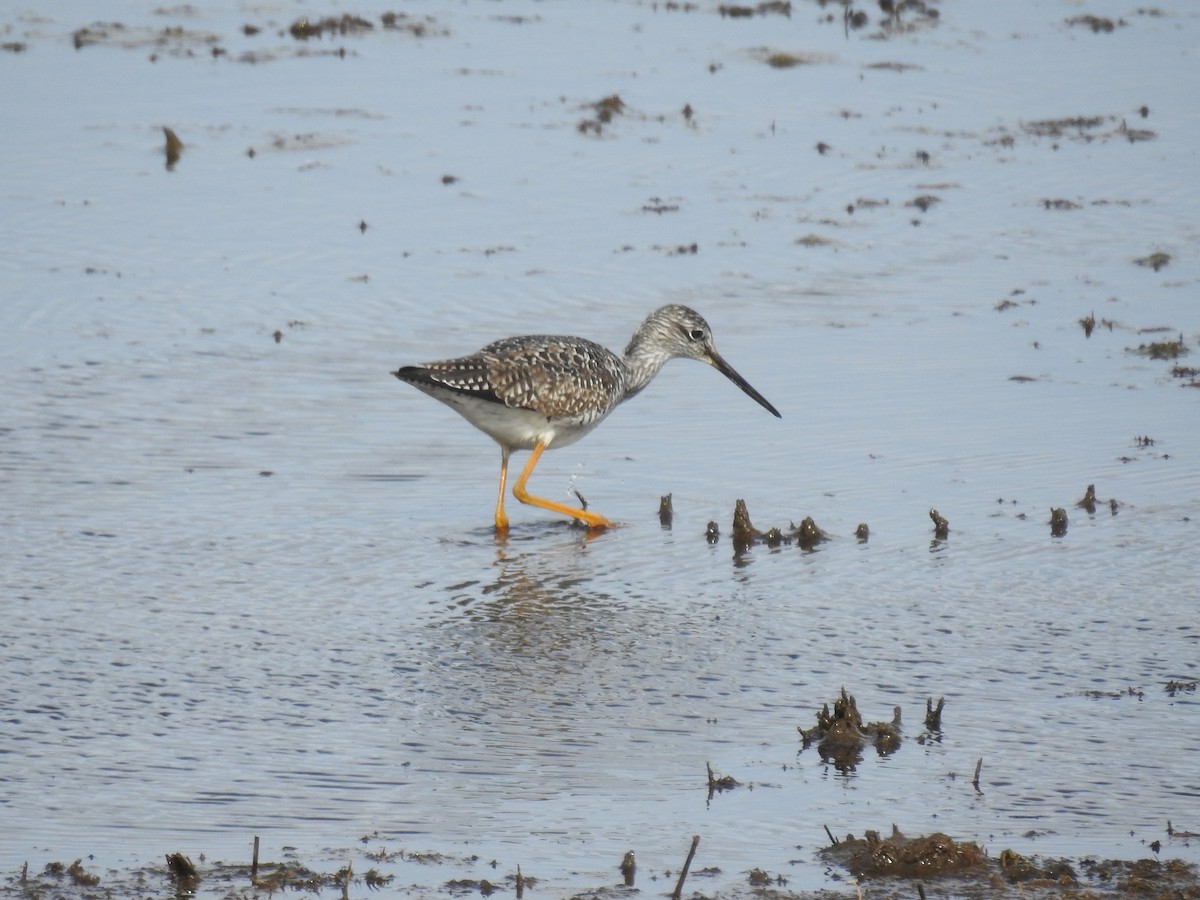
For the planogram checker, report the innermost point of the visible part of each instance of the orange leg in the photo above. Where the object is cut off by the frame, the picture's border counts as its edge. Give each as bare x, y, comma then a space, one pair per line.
591, 519
501, 518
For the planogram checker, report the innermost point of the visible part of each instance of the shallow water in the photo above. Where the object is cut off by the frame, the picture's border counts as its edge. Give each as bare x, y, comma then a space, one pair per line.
250, 586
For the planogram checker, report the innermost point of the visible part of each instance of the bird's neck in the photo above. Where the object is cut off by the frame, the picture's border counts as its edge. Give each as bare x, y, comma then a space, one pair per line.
643, 359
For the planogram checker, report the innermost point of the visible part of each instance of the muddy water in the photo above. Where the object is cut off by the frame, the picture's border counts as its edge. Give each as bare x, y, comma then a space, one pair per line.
249, 586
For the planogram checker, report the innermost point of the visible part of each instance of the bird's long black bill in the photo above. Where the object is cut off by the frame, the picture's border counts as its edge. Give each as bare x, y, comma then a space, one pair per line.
731, 373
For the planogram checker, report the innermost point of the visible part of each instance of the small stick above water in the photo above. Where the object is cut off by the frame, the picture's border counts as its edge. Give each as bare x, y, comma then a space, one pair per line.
686, 865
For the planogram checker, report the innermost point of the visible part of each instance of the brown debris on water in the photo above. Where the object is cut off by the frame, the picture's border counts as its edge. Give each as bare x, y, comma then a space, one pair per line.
628, 868
1176, 687
173, 148
82, 876
1089, 502
294, 876
1167, 349
807, 535
417, 26
1097, 24
904, 857
933, 856
774, 537
174, 40
376, 880
1189, 375
718, 783
933, 714
1088, 323
604, 111
666, 512
1068, 125
304, 28
841, 735
712, 532
941, 525
1017, 868
924, 202
772, 7
744, 532
658, 206
1155, 261
1143, 877
183, 873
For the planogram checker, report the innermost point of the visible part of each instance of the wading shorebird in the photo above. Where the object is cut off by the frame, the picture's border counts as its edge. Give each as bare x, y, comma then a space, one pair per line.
541, 391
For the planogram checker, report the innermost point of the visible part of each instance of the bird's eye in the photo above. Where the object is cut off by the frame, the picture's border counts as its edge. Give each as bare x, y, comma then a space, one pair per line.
696, 334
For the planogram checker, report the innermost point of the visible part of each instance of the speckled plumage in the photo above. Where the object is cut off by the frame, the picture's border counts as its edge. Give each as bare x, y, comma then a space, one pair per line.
572, 379
538, 391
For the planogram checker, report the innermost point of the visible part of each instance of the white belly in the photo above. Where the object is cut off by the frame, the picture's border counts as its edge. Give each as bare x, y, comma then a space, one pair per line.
512, 427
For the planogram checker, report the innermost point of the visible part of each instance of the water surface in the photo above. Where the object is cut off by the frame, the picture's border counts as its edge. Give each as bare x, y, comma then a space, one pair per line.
249, 585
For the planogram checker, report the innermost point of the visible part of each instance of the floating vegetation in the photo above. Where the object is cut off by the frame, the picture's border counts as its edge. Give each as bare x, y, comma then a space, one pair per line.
659, 206
1190, 375
841, 735
1076, 125
894, 67
173, 148
778, 59
304, 29
774, 7
1162, 349
80, 876
807, 535
603, 112
1098, 24
666, 511
718, 783
417, 26
1130, 691
815, 240
1133, 135
376, 881
175, 39
628, 868
1154, 261
905, 857
1008, 303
